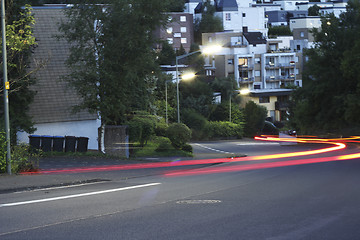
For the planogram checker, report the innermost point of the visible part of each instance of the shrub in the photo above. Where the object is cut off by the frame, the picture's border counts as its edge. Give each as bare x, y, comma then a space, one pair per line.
2, 152
164, 144
160, 129
179, 134
23, 159
187, 148
217, 129
141, 129
254, 118
193, 119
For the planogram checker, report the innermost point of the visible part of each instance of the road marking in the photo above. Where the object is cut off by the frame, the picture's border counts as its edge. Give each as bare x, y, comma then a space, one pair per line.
77, 195
256, 143
213, 149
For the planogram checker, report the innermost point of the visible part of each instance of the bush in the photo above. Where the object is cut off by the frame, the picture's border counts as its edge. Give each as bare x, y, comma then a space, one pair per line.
164, 144
254, 118
193, 119
160, 129
23, 159
2, 152
187, 148
217, 129
179, 134
141, 129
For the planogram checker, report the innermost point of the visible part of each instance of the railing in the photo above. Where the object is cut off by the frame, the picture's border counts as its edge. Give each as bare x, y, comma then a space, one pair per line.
246, 67
273, 78
248, 79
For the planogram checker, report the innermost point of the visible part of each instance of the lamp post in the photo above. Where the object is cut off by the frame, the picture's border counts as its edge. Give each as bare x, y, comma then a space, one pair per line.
206, 50
6, 88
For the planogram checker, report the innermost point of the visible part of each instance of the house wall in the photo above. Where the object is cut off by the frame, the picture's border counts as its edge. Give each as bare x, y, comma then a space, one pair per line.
88, 128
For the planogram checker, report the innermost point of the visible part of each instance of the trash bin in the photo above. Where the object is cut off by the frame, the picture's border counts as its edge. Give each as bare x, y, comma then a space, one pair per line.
46, 143
82, 144
70, 143
34, 141
58, 143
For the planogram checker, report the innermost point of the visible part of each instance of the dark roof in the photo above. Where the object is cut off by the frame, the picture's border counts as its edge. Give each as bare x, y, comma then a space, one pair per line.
54, 99
227, 5
255, 37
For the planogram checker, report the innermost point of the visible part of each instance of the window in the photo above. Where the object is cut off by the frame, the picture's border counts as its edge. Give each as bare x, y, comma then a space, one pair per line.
169, 30
183, 40
182, 18
183, 29
264, 99
177, 35
210, 39
228, 16
257, 60
244, 14
302, 34
243, 61
170, 40
257, 73
257, 86
230, 61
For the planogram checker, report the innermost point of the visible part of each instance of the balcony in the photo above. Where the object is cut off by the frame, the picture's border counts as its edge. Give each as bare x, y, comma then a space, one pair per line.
246, 79
290, 77
272, 66
287, 65
246, 67
273, 78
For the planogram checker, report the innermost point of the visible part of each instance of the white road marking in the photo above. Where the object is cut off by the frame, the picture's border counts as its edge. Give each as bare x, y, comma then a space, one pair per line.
257, 143
77, 195
213, 149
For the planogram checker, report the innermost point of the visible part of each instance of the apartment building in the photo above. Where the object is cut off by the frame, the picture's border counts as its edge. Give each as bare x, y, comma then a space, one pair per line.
179, 31
264, 67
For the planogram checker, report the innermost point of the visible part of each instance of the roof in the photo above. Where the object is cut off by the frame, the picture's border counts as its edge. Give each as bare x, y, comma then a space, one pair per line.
255, 37
227, 5
54, 99
270, 92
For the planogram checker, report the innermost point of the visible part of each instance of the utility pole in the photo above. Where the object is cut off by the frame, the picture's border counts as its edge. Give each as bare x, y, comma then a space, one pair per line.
6, 88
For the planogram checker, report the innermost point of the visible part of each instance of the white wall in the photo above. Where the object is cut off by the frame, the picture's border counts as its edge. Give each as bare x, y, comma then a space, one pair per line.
87, 128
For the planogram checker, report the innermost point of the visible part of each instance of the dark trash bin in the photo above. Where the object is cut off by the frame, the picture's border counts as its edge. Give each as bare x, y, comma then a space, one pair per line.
82, 144
58, 143
46, 143
34, 141
70, 143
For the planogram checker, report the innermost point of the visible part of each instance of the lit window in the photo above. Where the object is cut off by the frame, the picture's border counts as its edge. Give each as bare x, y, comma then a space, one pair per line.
169, 30
170, 40
183, 29
301, 34
183, 40
182, 18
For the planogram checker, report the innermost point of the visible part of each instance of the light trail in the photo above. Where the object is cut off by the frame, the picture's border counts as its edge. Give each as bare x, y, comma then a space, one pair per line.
339, 144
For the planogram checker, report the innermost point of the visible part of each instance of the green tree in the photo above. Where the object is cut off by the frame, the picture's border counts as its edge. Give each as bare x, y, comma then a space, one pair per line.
20, 42
254, 118
113, 64
280, 31
167, 54
314, 10
329, 99
209, 22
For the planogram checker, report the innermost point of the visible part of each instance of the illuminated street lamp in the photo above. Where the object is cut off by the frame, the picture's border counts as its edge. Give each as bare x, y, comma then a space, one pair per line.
206, 50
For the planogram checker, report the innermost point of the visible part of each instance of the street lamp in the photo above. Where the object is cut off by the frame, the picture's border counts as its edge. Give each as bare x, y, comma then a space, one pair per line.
207, 50
6, 88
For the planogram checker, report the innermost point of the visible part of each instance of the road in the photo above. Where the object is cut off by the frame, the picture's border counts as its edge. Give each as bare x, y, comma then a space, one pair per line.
250, 199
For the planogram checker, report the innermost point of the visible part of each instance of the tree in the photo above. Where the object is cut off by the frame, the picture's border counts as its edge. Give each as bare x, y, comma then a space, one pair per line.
113, 64
167, 54
209, 22
314, 10
20, 42
329, 99
280, 31
254, 118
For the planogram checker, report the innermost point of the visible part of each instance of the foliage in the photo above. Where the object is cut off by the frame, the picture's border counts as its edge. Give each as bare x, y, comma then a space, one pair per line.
209, 22
280, 31
314, 10
193, 119
179, 134
223, 129
142, 128
167, 54
164, 144
225, 86
329, 99
22, 158
20, 42
254, 118
113, 64
187, 148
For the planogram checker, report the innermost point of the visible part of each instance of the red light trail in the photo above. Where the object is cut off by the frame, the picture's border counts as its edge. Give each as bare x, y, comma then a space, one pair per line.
338, 145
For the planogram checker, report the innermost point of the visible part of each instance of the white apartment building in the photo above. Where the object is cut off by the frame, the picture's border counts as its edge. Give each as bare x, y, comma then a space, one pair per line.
289, 5
264, 67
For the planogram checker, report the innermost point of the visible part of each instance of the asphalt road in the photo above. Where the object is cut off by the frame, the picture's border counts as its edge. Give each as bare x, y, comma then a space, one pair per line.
221, 201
